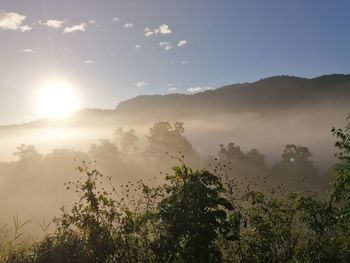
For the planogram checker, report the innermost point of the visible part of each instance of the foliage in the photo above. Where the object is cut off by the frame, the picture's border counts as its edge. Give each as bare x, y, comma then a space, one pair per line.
193, 215
127, 139
196, 216
166, 138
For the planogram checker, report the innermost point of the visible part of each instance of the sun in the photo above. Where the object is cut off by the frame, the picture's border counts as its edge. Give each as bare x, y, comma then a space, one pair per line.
56, 98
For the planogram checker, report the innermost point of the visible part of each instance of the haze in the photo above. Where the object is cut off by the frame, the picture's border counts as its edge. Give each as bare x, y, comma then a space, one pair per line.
125, 85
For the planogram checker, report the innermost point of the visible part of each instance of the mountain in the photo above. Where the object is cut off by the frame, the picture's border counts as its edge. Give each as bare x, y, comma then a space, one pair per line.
265, 96
266, 114
274, 93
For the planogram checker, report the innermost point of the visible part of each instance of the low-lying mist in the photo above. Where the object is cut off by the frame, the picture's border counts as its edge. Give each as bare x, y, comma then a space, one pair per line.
36, 162
273, 131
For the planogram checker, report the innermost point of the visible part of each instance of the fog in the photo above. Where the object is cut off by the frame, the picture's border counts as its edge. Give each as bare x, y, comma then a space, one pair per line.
32, 179
286, 138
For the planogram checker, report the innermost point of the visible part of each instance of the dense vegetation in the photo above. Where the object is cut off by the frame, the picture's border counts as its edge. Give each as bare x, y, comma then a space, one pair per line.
198, 215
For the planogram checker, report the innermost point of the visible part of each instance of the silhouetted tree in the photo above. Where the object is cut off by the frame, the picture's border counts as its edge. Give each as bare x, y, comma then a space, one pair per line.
247, 167
28, 154
127, 139
296, 168
166, 138
106, 151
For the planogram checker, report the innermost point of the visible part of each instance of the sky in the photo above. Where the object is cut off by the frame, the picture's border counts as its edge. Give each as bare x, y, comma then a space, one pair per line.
113, 50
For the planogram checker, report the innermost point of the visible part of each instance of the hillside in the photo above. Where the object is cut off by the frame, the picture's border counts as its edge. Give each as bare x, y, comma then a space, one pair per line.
274, 93
277, 93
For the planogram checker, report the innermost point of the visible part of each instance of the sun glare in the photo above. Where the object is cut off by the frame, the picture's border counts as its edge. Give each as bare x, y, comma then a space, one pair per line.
56, 98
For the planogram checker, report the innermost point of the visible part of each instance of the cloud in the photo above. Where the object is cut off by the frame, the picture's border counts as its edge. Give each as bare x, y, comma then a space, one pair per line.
27, 50
138, 46
184, 62
148, 32
89, 61
71, 29
166, 45
92, 21
172, 89
197, 89
140, 84
162, 29
181, 43
54, 23
13, 21
128, 25
115, 19
171, 84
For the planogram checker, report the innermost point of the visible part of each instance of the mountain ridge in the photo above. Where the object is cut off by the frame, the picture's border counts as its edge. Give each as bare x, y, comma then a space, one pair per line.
282, 92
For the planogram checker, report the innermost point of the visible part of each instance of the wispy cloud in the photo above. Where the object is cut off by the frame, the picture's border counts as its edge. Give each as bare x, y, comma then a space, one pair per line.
148, 32
27, 50
172, 89
71, 29
53, 23
13, 21
198, 89
138, 46
162, 29
181, 43
184, 62
89, 61
140, 84
128, 25
92, 21
166, 45
115, 19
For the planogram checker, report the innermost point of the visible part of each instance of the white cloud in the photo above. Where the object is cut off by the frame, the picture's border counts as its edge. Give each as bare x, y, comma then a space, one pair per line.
181, 43
128, 25
138, 46
13, 21
162, 29
184, 62
27, 50
197, 89
166, 45
148, 32
92, 22
115, 19
172, 89
71, 29
54, 23
140, 84
89, 61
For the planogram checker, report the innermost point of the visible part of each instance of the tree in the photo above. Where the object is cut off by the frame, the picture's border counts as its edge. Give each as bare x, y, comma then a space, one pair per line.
296, 167
28, 154
166, 138
246, 168
127, 139
193, 214
340, 191
105, 151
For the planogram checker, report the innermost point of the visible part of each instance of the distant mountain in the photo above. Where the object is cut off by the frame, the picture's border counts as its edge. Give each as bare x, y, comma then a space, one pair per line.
266, 114
274, 93
265, 96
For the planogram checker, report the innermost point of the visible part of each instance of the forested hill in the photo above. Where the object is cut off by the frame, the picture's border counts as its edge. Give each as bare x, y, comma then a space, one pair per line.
266, 96
274, 93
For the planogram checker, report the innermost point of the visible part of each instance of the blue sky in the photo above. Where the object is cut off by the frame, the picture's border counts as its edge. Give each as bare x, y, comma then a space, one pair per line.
191, 45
